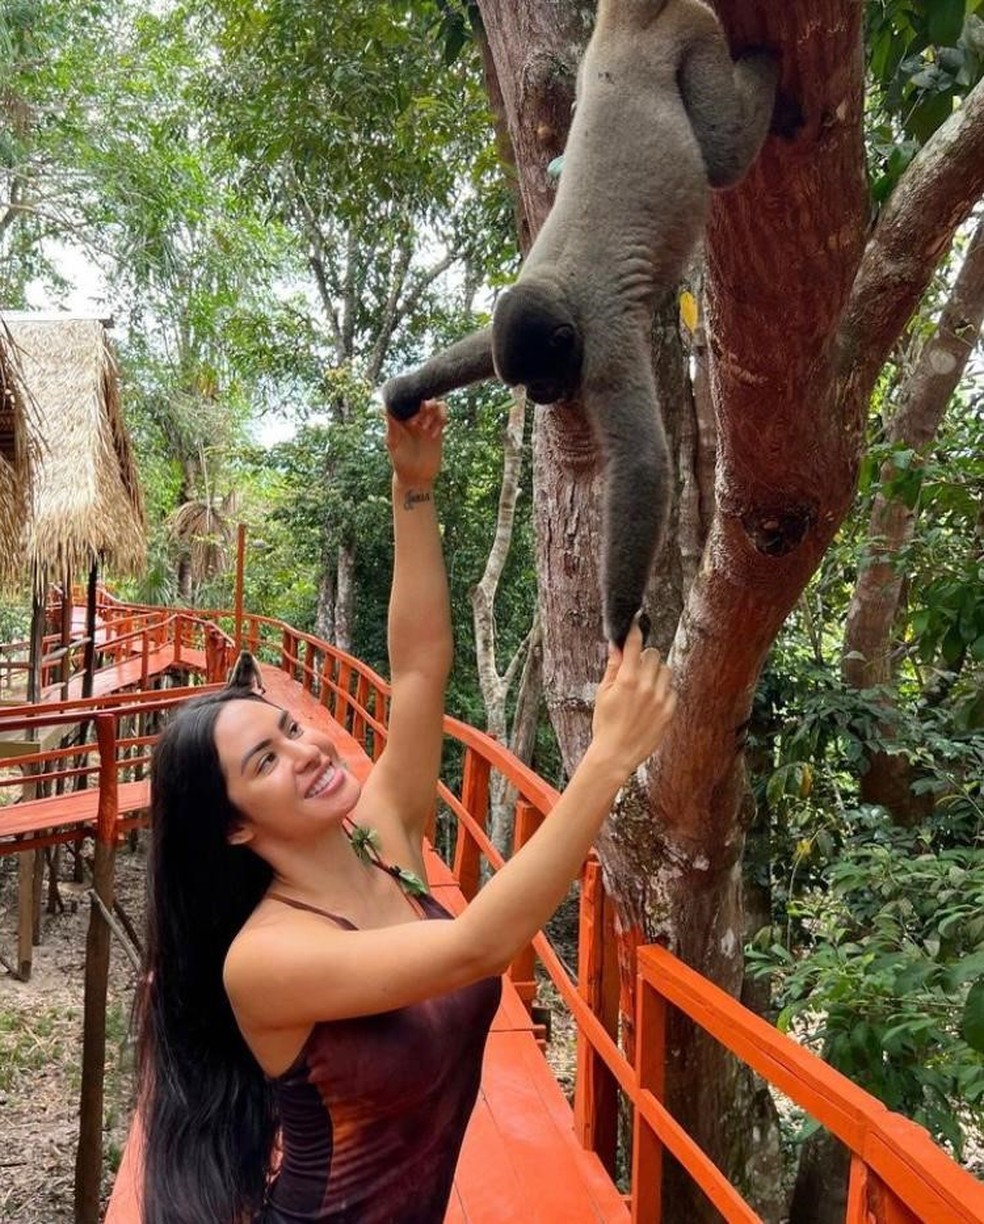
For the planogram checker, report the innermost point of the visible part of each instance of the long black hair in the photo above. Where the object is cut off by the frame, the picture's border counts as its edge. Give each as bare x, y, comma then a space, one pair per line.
207, 1108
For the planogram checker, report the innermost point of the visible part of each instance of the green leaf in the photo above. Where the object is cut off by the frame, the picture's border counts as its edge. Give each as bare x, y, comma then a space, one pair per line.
972, 1021
946, 19
968, 967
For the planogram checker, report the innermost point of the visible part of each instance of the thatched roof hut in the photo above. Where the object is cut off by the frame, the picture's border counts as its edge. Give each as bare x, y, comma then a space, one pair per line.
17, 457
76, 500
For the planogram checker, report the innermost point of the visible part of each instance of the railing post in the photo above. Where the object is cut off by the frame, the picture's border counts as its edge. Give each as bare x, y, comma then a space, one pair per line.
358, 718
527, 819
595, 1093
287, 648
342, 697
650, 1066
881, 1204
144, 657
379, 743
307, 675
178, 628
88, 1162
475, 800
325, 673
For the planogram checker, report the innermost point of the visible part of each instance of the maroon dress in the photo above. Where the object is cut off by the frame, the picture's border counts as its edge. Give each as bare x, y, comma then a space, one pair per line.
373, 1110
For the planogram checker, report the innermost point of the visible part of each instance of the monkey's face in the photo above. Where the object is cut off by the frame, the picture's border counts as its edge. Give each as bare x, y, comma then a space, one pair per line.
536, 344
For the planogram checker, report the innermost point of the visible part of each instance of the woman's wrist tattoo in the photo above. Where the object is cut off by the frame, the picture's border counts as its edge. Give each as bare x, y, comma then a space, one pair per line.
414, 497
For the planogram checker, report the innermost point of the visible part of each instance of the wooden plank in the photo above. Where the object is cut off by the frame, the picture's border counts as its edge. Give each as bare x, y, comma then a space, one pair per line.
72, 809
536, 1127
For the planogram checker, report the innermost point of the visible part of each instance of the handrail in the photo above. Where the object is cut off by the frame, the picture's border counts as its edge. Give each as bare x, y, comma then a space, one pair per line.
897, 1172
900, 1153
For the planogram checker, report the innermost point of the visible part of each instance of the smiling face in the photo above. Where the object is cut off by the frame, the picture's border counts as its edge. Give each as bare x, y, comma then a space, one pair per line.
286, 779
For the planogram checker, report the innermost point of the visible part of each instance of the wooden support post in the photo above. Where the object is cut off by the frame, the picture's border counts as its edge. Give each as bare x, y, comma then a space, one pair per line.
178, 634
37, 891
26, 868
883, 1205
89, 653
144, 657
88, 1162
475, 800
240, 575
342, 698
596, 1092
25, 913
288, 647
526, 821
857, 1192
35, 668
650, 1064
66, 633
307, 675
358, 718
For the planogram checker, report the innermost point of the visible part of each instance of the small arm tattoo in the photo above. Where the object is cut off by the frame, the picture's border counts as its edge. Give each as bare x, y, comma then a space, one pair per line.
414, 498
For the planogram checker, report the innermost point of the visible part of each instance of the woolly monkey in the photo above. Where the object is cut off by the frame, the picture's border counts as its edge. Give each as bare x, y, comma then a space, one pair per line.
663, 115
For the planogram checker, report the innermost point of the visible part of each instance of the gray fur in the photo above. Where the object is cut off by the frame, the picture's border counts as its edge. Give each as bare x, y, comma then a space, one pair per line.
663, 115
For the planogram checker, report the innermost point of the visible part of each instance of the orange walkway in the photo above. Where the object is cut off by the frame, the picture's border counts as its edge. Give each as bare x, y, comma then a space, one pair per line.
527, 1156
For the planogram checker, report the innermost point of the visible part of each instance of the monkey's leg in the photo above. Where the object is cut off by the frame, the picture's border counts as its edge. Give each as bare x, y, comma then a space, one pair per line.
729, 104
468, 361
637, 487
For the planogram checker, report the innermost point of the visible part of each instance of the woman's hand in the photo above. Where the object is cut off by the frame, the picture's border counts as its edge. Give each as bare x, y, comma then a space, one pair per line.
415, 445
633, 705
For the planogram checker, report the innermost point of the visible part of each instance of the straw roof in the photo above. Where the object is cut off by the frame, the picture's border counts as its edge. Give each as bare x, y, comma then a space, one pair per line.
15, 471
84, 503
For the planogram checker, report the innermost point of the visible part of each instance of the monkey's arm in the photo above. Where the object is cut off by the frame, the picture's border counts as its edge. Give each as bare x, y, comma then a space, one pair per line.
468, 361
623, 410
729, 104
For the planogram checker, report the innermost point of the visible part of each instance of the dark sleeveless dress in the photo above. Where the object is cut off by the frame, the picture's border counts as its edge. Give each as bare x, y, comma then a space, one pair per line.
373, 1111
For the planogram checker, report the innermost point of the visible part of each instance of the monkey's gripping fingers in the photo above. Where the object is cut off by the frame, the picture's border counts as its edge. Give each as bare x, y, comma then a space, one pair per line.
633, 705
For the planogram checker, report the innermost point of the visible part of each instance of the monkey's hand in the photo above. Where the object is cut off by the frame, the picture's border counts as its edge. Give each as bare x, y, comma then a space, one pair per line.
402, 397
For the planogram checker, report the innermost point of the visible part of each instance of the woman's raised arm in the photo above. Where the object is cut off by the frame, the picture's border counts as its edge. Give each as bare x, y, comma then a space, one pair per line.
404, 780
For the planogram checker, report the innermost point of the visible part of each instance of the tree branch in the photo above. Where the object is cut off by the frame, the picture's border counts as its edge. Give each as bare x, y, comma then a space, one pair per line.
391, 311
875, 603
493, 686
915, 228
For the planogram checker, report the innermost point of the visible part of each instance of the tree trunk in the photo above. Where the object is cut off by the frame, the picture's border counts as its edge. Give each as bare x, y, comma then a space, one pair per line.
324, 617
867, 654
344, 596
496, 686
802, 307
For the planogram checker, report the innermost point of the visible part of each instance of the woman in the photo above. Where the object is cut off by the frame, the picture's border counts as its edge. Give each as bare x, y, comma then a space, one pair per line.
300, 982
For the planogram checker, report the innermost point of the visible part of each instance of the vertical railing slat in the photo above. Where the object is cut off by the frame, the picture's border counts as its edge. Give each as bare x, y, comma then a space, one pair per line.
647, 1149
475, 800
527, 819
596, 1092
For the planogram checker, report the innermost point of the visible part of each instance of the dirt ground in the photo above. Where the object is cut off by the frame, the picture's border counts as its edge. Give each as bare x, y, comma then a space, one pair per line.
41, 1050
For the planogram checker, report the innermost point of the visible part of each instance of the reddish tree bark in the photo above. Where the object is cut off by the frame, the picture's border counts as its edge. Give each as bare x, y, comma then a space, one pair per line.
804, 299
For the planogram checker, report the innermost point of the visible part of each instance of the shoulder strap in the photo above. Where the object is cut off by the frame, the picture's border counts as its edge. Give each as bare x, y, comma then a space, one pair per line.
303, 905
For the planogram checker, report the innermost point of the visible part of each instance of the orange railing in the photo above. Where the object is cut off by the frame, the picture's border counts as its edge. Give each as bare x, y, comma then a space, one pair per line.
897, 1173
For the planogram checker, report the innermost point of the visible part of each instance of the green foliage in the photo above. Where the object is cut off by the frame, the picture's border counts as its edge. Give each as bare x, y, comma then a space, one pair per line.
890, 986
923, 56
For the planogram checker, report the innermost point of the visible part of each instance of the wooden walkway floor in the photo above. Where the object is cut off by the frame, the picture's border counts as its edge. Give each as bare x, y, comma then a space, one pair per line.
520, 1160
